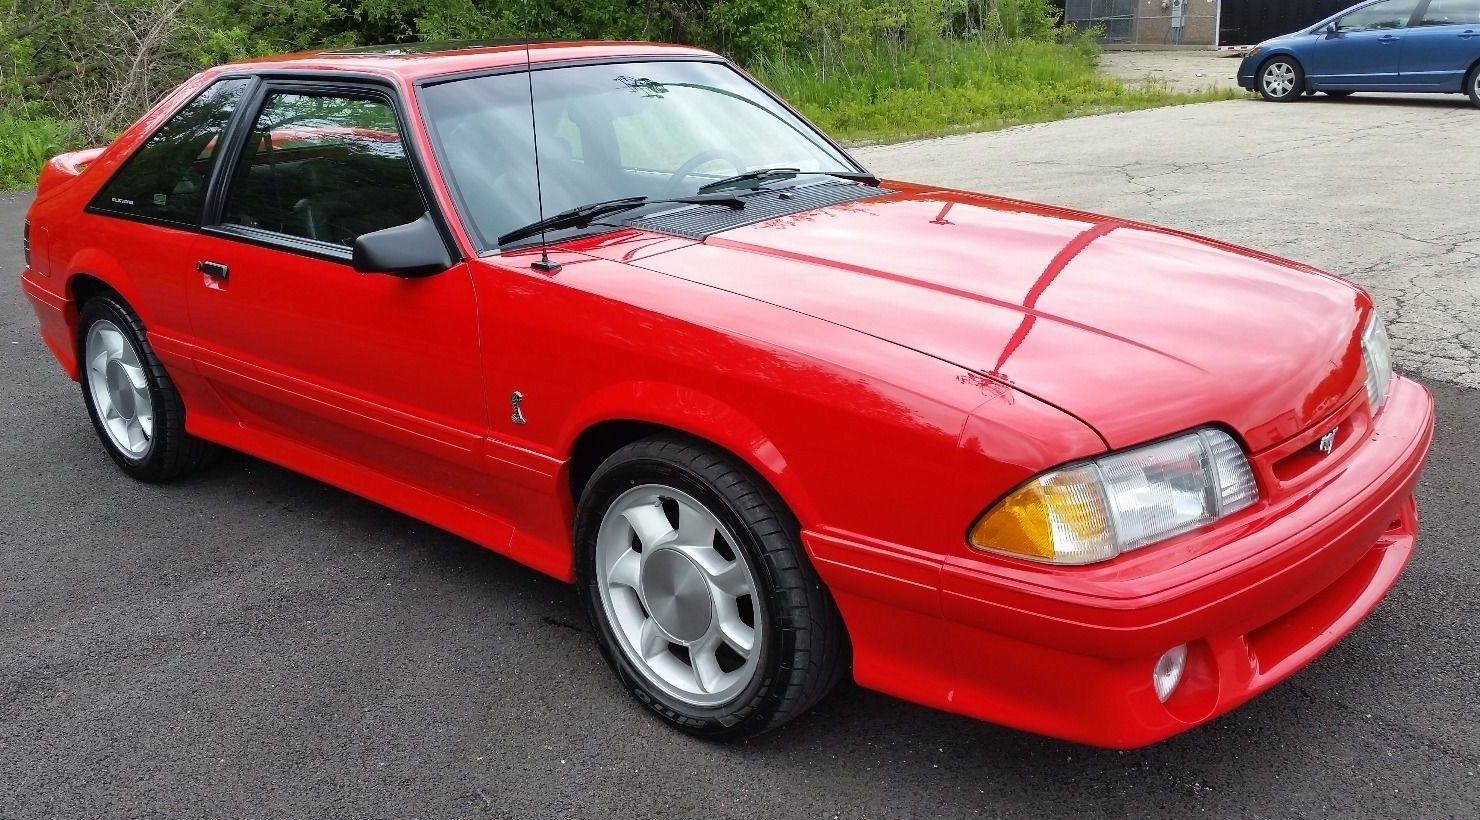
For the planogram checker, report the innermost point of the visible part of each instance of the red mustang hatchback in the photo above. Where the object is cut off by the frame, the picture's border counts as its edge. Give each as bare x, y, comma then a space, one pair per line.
619, 313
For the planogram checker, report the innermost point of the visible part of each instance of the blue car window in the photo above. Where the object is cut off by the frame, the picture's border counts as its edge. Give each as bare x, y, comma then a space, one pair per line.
1452, 13
1387, 15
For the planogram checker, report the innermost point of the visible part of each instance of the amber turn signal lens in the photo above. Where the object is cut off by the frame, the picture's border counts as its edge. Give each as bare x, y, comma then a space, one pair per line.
1060, 517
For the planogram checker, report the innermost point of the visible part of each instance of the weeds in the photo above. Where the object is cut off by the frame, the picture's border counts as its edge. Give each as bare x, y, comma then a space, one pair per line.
27, 142
949, 85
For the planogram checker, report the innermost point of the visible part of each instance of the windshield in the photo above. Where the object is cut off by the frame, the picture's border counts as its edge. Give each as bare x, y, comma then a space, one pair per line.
657, 129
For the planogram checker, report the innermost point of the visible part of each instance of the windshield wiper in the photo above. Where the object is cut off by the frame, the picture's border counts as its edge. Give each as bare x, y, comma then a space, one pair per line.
749, 176
582, 216
853, 176
762, 174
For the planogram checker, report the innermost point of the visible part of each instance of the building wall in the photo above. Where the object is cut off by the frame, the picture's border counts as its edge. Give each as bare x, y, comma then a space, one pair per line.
1199, 23
1148, 22
1242, 22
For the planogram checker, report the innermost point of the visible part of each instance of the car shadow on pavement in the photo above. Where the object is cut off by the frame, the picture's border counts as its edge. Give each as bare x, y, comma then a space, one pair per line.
1433, 101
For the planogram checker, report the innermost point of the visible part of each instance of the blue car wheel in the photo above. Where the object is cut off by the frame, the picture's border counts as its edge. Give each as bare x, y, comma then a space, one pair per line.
1281, 80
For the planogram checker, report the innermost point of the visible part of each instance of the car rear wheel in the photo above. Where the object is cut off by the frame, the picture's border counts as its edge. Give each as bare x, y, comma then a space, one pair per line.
1281, 80
133, 404
699, 593
1473, 84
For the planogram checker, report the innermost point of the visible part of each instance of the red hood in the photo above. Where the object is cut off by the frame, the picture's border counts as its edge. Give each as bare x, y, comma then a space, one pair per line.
1138, 331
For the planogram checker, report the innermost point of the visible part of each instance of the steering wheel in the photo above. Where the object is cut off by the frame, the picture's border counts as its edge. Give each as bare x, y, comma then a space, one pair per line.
700, 159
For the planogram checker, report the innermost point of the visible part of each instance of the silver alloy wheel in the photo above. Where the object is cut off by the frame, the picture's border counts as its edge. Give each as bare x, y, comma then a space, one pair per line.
1475, 83
120, 391
1279, 79
679, 595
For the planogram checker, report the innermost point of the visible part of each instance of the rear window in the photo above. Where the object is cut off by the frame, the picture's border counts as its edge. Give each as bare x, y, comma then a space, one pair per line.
1452, 13
165, 179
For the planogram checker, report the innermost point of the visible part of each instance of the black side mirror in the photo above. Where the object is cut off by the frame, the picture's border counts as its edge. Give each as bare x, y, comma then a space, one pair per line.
413, 249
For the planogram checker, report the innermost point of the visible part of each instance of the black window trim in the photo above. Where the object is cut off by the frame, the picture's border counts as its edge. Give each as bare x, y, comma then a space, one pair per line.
341, 84
514, 68
300, 245
92, 206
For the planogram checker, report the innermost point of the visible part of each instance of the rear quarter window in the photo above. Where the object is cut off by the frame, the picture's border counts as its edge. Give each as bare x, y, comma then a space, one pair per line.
165, 179
1452, 13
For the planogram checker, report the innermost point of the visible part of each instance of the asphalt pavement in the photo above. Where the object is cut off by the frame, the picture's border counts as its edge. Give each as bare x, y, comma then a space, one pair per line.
249, 643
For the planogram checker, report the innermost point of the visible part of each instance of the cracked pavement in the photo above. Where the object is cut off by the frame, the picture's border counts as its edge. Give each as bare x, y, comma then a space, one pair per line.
1378, 188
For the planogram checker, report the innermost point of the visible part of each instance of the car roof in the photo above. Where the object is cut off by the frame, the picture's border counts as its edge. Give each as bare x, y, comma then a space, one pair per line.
414, 61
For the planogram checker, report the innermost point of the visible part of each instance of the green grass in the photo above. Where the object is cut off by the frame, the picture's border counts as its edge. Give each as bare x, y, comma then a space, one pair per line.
882, 93
27, 142
950, 86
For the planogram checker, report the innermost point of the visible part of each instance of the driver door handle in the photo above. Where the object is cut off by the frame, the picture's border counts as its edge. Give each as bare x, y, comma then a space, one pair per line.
1468, 34
215, 270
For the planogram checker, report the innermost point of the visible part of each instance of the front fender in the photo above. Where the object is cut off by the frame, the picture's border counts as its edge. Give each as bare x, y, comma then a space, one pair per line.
696, 413
1248, 70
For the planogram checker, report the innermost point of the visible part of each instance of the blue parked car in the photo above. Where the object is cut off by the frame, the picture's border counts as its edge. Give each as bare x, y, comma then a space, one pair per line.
1430, 46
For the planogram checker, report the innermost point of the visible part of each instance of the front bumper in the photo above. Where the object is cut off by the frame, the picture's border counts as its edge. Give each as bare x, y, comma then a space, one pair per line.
1246, 71
1069, 651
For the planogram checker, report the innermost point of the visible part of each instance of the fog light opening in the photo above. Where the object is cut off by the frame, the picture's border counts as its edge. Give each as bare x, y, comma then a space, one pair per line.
1168, 672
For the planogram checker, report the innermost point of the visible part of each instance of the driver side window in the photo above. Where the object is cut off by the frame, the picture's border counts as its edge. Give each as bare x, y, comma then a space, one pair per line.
323, 167
1390, 14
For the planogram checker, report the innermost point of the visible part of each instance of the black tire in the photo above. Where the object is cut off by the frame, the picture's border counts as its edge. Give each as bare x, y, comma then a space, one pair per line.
1338, 94
804, 648
1472, 85
1292, 86
171, 451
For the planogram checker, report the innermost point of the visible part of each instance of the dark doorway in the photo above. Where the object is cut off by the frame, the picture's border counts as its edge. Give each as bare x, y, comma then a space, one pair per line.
1246, 22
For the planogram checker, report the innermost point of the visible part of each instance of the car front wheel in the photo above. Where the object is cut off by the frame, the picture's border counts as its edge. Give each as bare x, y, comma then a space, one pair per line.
133, 404
1473, 84
699, 592
1281, 80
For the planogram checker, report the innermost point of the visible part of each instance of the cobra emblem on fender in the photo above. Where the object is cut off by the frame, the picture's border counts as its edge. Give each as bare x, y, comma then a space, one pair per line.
1327, 443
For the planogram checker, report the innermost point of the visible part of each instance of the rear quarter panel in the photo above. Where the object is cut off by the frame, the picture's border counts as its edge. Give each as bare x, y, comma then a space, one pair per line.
123, 254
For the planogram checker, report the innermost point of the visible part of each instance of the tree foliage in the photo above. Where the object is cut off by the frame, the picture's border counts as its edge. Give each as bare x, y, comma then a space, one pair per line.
97, 64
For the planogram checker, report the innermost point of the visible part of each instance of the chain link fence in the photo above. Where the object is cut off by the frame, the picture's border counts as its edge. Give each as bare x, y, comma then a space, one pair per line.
1147, 22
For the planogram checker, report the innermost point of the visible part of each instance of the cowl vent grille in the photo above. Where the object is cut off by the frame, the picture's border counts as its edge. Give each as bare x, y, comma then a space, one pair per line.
706, 220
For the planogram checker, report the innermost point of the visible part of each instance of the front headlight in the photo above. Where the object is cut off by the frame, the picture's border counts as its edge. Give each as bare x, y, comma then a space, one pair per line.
1096, 510
1377, 353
